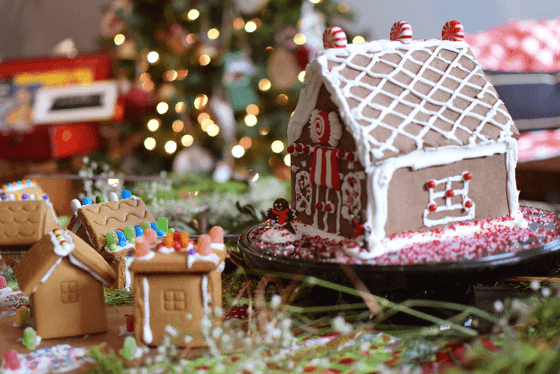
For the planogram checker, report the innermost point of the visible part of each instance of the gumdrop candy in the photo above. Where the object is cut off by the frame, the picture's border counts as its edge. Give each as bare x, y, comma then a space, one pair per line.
154, 226
141, 247
11, 360
168, 240
145, 225
122, 238
87, 201
203, 245
150, 235
216, 234
22, 314
99, 199
113, 196
30, 338
185, 239
128, 350
130, 323
112, 238
163, 224
3, 283
138, 231
129, 233
126, 194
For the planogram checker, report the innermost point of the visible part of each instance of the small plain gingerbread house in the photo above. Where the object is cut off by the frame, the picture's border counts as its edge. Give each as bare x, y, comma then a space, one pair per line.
177, 290
92, 221
64, 277
26, 215
392, 136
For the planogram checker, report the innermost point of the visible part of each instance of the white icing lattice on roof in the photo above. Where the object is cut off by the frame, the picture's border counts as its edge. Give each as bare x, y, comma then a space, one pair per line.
399, 98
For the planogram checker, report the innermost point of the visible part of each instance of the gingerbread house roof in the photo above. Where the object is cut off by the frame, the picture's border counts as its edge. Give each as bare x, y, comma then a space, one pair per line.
47, 253
178, 262
99, 219
24, 222
397, 98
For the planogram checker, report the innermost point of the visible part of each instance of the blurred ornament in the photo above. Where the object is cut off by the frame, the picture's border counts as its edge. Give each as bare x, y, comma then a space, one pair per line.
126, 51
238, 70
174, 36
65, 48
193, 159
223, 113
111, 23
285, 37
312, 25
304, 55
223, 172
137, 102
283, 68
166, 91
250, 6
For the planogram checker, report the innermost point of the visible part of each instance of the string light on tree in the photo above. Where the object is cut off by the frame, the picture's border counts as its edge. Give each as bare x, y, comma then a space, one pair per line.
238, 23
193, 14
153, 124
250, 26
153, 57
282, 99
245, 142
213, 130
288, 160
264, 85
119, 39
187, 140
358, 39
213, 34
277, 146
250, 120
203, 116
180, 107
162, 107
204, 59
301, 76
200, 101
150, 143
192, 38
300, 39
237, 151
170, 75
170, 147
343, 8
178, 125
252, 109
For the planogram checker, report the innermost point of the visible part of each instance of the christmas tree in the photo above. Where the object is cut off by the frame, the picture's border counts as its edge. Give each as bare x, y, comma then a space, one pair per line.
224, 76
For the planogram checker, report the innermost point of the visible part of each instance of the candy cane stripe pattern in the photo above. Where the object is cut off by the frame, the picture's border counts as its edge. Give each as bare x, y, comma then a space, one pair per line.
402, 32
453, 31
334, 37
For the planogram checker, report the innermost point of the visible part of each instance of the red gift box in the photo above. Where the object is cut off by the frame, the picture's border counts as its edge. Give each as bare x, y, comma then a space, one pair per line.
53, 141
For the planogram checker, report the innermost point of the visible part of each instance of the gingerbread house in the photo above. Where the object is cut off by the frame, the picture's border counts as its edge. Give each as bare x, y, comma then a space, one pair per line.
176, 294
92, 221
64, 277
26, 215
396, 135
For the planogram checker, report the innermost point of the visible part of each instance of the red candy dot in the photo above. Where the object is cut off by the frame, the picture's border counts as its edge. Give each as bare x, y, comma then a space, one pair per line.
431, 184
449, 193
290, 148
328, 207
467, 176
340, 153
432, 207
468, 204
350, 157
299, 147
306, 149
319, 206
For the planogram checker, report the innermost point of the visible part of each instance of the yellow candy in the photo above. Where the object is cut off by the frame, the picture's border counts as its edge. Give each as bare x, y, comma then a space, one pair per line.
185, 239
169, 240
22, 314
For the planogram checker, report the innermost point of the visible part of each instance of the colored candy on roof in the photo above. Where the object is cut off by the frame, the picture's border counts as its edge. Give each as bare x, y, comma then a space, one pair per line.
17, 196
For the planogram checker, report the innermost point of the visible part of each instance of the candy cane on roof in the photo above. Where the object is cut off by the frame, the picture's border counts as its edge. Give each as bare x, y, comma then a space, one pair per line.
453, 31
402, 32
334, 37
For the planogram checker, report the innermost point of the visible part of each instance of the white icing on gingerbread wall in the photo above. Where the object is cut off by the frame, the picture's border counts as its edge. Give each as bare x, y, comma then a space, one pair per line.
448, 194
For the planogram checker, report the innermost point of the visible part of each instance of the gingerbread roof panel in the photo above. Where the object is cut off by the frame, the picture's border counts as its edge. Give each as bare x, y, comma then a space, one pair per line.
397, 98
24, 222
99, 219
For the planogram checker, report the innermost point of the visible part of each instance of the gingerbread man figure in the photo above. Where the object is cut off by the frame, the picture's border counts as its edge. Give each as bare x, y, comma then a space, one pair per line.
282, 214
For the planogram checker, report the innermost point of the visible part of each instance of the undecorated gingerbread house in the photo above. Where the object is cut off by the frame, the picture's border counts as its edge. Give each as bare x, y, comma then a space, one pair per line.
26, 215
396, 135
176, 294
92, 221
64, 277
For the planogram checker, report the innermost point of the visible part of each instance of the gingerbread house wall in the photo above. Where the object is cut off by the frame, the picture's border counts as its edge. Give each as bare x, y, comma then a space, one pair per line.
408, 194
301, 162
55, 318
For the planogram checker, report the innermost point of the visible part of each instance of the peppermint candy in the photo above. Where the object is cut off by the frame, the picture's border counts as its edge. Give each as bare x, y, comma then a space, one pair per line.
402, 32
334, 37
325, 127
453, 31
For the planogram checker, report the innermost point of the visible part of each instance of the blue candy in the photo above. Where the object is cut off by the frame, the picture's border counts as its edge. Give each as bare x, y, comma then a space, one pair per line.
87, 201
126, 194
138, 230
19, 182
122, 238
159, 232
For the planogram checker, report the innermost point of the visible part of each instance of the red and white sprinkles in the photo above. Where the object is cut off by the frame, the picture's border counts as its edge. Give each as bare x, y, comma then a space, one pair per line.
453, 31
334, 37
490, 241
402, 32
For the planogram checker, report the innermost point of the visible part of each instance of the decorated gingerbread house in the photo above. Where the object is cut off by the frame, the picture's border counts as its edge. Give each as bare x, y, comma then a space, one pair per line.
397, 135
176, 294
26, 215
64, 276
93, 221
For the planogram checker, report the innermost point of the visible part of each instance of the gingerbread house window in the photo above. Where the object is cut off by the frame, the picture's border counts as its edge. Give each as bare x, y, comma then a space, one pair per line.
448, 195
174, 300
69, 292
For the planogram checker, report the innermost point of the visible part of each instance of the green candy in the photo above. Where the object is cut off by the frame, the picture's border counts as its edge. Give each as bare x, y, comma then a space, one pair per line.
145, 225
130, 234
171, 230
30, 338
113, 247
99, 199
112, 238
128, 350
163, 224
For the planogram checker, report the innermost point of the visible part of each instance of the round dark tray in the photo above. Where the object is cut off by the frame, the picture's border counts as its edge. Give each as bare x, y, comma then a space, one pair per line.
540, 260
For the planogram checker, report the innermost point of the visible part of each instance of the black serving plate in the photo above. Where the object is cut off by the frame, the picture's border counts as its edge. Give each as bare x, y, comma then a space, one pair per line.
414, 279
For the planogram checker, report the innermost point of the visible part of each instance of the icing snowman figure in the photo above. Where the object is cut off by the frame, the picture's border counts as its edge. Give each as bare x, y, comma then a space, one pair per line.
282, 214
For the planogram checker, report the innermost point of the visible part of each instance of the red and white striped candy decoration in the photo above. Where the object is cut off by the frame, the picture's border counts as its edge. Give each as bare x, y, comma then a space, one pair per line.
402, 32
334, 37
453, 31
